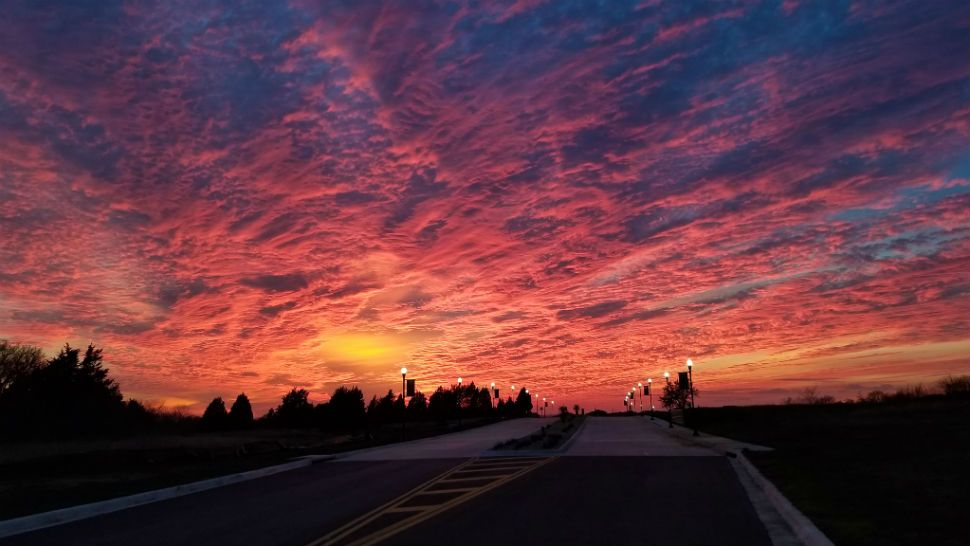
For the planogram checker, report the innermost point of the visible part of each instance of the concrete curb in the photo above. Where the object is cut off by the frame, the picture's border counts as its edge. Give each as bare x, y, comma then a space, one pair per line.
42, 520
805, 531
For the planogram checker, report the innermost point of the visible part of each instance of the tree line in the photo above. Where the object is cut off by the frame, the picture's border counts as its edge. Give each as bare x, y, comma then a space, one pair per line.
346, 411
72, 395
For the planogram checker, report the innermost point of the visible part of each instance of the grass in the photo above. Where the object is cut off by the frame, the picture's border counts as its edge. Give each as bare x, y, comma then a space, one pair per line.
888, 474
41, 476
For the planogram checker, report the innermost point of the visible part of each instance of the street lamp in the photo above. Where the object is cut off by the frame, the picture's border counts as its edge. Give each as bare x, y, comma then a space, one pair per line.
404, 392
690, 387
640, 394
494, 402
458, 397
650, 393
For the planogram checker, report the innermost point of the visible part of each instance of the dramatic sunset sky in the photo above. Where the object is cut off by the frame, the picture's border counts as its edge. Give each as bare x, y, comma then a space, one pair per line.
565, 195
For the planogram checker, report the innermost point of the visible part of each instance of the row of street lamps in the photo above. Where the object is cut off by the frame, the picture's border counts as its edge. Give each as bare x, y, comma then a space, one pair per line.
637, 392
494, 392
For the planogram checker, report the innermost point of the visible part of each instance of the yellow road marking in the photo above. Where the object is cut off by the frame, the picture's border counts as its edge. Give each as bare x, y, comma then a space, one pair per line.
421, 512
341, 532
455, 490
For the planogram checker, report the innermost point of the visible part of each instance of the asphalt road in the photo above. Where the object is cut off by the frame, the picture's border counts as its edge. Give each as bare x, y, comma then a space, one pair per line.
622, 481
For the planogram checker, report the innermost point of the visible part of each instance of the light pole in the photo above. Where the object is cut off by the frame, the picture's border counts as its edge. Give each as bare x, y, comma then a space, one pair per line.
690, 386
640, 395
650, 393
404, 392
670, 411
494, 402
537, 403
543, 406
458, 393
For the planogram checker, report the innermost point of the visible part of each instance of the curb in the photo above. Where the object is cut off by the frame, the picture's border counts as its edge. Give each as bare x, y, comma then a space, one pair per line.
804, 530
42, 520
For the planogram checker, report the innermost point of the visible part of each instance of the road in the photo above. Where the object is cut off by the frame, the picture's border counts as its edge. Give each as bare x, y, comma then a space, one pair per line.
622, 481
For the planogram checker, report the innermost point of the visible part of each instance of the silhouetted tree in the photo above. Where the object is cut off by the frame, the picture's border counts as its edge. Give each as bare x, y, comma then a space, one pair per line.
563, 413
442, 405
576, 409
418, 407
523, 403
509, 410
385, 411
17, 362
346, 410
241, 413
215, 417
66, 396
956, 387
295, 409
483, 402
500, 407
675, 397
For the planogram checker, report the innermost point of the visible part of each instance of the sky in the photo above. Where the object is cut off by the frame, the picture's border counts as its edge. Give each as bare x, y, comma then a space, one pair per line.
561, 195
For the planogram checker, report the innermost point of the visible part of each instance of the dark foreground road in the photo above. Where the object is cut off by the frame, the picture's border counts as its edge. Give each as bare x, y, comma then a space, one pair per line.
624, 481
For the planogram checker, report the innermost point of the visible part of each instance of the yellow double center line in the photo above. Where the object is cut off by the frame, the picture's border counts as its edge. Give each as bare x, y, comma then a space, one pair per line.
460, 484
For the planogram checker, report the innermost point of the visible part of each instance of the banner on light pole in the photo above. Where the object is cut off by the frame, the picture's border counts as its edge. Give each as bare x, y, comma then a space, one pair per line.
410, 388
683, 381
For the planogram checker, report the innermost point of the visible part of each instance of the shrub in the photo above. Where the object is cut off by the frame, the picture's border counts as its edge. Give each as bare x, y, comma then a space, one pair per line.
956, 387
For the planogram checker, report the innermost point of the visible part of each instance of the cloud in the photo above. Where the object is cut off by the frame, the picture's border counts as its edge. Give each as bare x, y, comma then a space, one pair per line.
276, 283
322, 192
592, 311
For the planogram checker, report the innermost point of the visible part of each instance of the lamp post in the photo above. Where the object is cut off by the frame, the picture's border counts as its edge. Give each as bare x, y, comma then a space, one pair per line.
670, 411
690, 387
537, 403
458, 396
543, 406
640, 395
404, 392
650, 393
493, 393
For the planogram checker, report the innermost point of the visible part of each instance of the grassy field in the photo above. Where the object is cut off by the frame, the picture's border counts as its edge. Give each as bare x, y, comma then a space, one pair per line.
888, 474
40, 476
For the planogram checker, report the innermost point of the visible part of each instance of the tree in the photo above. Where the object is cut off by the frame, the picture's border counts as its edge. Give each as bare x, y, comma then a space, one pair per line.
346, 409
17, 362
675, 397
67, 396
443, 404
215, 417
295, 409
809, 395
576, 409
385, 410
418, 407
483, 402
563, 413
523, 403
241, 413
